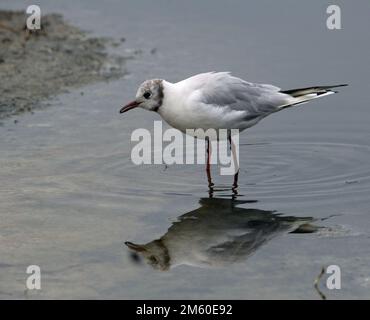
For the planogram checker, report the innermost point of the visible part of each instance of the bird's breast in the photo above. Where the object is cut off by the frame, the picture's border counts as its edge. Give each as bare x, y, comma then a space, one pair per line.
185, 118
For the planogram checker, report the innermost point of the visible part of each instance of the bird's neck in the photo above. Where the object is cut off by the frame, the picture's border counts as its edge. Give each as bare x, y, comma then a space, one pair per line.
173, 109
171, 95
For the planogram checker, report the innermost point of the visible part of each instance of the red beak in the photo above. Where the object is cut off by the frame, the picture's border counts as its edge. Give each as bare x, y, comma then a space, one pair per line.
127, 107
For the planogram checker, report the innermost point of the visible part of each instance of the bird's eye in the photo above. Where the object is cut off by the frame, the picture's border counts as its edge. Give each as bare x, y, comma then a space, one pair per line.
153, 259
147, 95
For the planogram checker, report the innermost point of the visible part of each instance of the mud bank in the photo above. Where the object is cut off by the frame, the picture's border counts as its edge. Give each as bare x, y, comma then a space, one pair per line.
39, 64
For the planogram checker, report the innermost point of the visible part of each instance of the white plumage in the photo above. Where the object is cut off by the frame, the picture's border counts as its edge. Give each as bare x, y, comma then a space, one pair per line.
218, 100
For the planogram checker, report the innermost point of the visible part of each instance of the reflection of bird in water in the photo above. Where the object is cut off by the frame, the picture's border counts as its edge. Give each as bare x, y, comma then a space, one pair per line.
217, 234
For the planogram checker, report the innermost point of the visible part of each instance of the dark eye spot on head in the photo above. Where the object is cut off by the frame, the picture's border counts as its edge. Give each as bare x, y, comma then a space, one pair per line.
147, 95
153, 259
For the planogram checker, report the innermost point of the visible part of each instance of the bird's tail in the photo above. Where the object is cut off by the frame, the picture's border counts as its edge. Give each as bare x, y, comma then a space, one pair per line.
303, 95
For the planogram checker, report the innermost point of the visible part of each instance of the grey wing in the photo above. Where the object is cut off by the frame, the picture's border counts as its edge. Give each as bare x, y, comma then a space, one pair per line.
221, 89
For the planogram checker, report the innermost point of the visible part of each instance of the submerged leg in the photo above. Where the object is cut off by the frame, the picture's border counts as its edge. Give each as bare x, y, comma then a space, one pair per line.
208, 167
236, 164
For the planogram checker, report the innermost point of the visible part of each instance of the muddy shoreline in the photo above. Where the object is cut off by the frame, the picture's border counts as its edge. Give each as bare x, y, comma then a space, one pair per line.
37, 65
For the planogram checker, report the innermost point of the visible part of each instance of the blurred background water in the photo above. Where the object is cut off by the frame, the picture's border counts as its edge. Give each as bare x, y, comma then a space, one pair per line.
70, 196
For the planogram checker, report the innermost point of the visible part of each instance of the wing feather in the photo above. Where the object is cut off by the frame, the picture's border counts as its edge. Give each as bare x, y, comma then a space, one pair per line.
221, 89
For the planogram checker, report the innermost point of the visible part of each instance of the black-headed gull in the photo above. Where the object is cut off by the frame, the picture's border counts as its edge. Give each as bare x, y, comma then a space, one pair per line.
218, 100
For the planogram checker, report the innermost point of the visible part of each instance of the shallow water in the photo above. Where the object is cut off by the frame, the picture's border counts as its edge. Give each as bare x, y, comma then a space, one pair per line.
70, 196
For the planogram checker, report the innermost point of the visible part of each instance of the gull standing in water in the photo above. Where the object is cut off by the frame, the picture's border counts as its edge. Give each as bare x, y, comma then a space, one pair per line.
218, 100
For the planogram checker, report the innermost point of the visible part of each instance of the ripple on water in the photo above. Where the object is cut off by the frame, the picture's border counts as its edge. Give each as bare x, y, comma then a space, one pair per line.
309, 168
279, 169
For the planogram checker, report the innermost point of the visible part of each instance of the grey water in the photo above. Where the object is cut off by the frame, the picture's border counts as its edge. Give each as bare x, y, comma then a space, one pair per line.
70, 197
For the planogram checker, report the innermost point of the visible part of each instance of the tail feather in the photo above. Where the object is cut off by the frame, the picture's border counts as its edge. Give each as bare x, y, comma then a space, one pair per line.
303, 95
318, 90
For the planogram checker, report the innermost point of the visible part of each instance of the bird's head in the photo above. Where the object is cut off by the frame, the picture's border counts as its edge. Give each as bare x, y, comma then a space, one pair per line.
154, 253
149, 96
